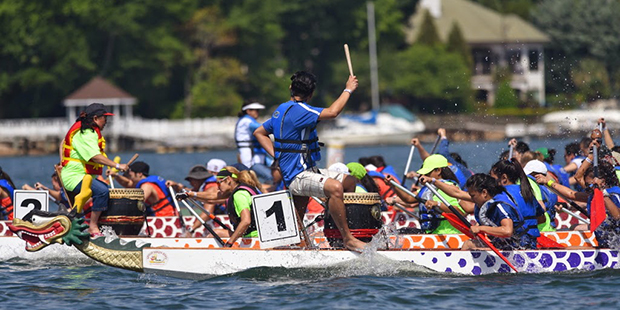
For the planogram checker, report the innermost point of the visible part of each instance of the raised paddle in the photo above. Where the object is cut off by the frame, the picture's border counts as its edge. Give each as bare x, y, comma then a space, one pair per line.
206, 226
178, 209
465, 222
597, 206
411, 151
512, 148
348, 56
435, 145
210, 215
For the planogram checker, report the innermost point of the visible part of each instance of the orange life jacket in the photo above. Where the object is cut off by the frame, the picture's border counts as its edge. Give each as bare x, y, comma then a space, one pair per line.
7, 207
89, 166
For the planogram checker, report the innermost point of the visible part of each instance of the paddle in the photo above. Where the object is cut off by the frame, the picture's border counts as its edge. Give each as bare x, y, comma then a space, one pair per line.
133, 158
210, 215
411, 151
581, 219
512, 148
206, 226
465, 222
435, 145
176, 206
597, 207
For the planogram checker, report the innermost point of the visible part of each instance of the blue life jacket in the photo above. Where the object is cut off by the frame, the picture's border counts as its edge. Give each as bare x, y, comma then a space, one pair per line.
429, 217
559, 173
390, 170
4, 183
529, 211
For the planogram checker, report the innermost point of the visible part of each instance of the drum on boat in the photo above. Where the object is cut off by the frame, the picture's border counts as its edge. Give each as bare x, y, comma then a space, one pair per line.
363, 217
126, 211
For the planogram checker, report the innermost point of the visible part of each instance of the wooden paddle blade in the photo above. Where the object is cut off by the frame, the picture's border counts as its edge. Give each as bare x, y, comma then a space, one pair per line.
494, 249
456, 222
546, 243
597, 210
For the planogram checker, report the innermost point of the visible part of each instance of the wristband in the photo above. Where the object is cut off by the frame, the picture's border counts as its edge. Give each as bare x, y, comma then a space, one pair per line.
550, 182
118, 166
195, 194
348, 91
588, 160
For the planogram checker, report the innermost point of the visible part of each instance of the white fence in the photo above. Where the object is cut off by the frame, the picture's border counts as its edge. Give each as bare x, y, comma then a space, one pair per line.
209, 132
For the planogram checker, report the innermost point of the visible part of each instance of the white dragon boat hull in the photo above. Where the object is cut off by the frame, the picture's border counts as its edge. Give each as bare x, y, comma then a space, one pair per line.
196, 263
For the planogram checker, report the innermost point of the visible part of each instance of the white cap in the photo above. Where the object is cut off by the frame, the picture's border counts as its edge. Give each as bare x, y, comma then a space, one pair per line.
216, 165
253, 106
339, 167
370, 167
535, 166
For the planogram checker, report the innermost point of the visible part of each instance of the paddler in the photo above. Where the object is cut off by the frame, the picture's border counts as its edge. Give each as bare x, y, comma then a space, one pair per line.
435, 169
82, 152
6, 196
157, 197
239, 187
496, 215
296, 149
251, 154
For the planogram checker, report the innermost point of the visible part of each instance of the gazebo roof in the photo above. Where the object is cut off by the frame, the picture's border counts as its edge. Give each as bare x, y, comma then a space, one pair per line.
99, 90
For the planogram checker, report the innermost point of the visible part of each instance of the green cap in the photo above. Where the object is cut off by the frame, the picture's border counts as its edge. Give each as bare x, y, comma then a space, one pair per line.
357, 170
544, 151
432, 162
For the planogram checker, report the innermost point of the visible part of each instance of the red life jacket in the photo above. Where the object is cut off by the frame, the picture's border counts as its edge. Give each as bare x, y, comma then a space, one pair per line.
7, 207
163, 206
89, 166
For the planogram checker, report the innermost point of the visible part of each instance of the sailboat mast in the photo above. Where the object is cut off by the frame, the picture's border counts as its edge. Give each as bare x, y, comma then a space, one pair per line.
372, 51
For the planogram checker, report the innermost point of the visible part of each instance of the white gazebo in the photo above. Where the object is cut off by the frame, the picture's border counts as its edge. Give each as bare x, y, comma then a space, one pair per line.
115, 99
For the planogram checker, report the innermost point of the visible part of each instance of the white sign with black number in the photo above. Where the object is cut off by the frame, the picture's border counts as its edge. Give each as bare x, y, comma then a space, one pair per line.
276, 220
25, 201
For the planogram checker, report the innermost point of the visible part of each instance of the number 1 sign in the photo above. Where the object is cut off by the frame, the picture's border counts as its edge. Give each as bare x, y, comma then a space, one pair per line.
275, 217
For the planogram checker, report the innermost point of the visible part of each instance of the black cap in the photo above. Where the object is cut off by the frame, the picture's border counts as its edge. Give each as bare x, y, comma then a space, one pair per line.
140, 167
97, 109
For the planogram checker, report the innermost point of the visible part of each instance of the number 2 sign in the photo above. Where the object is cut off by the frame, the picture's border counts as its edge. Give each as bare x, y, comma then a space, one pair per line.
275, 217
26, 200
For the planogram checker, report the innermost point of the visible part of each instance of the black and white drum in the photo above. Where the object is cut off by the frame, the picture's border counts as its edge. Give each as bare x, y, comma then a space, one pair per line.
363, 217
126, 211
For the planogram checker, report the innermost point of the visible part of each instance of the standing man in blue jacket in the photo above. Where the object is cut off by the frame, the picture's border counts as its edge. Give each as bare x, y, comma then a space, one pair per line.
296, 149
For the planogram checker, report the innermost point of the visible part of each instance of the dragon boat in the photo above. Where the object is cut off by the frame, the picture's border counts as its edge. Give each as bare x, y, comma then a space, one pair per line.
199, 259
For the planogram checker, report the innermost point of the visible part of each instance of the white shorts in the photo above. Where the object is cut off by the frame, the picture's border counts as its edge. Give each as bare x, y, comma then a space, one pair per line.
309, 183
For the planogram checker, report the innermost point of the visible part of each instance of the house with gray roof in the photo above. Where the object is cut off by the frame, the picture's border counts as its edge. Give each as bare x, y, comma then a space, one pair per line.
496, 40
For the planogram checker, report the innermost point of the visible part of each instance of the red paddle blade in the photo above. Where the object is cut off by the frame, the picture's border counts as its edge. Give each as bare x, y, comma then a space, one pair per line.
456, 222
597, 210
546, 242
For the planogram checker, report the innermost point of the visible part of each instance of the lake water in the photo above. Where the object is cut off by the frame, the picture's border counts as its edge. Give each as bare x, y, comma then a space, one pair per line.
59, 281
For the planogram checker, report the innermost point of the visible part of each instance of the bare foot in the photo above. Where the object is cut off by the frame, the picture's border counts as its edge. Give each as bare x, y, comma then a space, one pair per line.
354, 244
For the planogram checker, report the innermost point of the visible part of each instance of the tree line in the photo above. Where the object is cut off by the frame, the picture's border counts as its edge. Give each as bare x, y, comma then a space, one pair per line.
198, 58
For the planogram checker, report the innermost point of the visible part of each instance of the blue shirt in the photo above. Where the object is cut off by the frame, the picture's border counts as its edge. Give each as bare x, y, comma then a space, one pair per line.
291, 123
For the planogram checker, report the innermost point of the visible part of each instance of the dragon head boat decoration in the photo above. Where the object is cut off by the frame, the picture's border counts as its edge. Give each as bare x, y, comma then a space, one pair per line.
40, 229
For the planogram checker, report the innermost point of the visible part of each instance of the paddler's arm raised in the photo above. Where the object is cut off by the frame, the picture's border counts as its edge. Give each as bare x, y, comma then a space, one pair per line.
423, 153
337, 106
262, 136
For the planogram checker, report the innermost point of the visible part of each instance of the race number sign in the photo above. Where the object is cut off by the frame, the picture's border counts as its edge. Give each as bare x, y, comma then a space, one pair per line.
25, 201
276, 220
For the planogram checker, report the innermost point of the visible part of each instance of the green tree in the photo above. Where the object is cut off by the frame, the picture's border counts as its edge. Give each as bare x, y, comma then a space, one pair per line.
591, 80
428, 34
430, 79
456, 44
593, 33
505, 97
